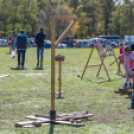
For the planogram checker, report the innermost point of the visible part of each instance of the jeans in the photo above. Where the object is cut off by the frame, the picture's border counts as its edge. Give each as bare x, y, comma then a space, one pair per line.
21, 53
10, 49
40, 51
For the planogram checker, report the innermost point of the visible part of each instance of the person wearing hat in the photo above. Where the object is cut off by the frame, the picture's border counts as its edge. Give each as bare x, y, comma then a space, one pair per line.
21, 42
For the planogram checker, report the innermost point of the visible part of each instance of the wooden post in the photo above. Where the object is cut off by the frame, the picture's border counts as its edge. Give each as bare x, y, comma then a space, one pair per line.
53, 112
59, 78
87, 62
101, 64
117, 63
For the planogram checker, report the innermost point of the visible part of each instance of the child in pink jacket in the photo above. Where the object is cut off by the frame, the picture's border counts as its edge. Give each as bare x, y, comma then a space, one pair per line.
128, 64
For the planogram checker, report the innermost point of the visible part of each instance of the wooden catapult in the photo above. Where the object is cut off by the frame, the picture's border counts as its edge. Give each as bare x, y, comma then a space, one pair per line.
67, 119
102, 56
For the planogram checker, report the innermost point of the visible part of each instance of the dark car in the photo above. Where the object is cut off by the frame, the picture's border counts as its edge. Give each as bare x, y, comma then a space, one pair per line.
47, 44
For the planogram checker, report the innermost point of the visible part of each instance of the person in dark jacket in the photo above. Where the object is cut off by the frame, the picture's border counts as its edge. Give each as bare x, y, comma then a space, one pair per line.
68, 42
22, 42
39, 39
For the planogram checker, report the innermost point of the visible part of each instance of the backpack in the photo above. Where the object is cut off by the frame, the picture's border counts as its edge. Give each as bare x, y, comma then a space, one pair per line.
10, 42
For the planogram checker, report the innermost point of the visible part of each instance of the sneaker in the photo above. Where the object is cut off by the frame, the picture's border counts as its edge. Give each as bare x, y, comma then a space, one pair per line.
18, 66
131, 85
41, 65
22, 66
125, 85
117, 73
131, 107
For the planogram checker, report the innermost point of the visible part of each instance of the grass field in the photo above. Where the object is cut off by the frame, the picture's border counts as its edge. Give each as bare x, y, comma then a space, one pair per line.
26, 95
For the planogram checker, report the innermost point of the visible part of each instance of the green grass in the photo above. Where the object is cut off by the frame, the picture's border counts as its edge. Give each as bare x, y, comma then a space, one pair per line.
27, 95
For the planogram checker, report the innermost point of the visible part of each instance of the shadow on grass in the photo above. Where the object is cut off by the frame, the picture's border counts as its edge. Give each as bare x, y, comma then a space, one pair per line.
85, 120
17, 68
38, 68
51, 131
59, 97
129, 97
8, 53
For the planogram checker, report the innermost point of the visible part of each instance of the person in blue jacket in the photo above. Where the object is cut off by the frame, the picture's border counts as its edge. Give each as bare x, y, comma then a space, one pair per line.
21, 42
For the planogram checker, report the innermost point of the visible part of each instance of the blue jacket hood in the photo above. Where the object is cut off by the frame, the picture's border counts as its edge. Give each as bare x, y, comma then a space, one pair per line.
22, 34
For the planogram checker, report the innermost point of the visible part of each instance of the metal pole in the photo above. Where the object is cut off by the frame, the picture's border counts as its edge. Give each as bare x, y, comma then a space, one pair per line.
130, 31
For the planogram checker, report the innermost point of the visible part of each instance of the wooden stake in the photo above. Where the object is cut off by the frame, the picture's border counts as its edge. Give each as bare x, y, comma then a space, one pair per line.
117, 63
53, 64
101, 64
59, 77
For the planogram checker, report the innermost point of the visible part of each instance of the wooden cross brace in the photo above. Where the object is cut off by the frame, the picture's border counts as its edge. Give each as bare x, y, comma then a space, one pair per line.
72, 119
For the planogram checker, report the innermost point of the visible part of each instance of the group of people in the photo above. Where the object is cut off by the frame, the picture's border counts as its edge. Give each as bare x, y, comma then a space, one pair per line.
126, 58
21, 42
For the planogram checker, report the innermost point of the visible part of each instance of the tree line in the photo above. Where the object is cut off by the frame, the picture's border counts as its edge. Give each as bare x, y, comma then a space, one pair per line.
109, 17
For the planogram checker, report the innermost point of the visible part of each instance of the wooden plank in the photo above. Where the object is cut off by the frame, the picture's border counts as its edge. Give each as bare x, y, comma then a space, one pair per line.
69, 123
28, 123
31, 126
122, 88
36, 118
39, 123
123, 92
1, 76
64, 114
71, 18
65, 32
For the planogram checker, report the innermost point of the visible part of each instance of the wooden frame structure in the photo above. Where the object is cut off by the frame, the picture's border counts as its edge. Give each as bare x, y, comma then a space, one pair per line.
110, 51
102, 57
53, 117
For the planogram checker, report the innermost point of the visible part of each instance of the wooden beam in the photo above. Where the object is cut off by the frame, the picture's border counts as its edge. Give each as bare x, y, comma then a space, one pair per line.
72, 18
53, 64
65, 32
87, 62
94, 65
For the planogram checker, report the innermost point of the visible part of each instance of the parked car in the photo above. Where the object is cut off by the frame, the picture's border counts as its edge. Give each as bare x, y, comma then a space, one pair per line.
47, 44
32, 42
3, 42
60, 45
82, 43
92, 41
128, 42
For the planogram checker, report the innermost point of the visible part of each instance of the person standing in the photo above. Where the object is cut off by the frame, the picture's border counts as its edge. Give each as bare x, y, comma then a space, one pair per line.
21, 42
10, 42
68, 42
39, 39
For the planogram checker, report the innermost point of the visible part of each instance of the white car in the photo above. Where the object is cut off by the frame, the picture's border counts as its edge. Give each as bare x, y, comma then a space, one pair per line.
3, 42
60, 45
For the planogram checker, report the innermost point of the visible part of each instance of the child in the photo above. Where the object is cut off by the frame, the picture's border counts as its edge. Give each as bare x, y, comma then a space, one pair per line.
121, 61
130, 74
128, 65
